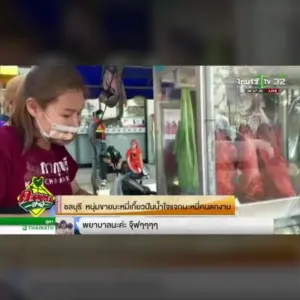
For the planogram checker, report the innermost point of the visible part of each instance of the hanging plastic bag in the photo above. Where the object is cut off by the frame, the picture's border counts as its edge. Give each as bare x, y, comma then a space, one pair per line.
113, 88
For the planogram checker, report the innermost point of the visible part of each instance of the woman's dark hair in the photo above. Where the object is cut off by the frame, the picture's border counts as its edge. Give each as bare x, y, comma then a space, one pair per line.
44, 83
70, 226
63, 222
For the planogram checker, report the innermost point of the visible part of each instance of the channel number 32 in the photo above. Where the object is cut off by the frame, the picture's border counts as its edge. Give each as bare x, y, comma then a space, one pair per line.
279, 81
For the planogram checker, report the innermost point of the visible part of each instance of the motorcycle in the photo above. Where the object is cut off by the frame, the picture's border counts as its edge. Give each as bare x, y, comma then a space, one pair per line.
127, 183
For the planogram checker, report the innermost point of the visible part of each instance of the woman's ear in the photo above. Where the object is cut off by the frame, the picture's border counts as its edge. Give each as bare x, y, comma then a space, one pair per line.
32, 107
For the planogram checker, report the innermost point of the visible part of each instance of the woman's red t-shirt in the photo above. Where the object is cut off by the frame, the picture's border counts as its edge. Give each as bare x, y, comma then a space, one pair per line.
17, 169
134, 156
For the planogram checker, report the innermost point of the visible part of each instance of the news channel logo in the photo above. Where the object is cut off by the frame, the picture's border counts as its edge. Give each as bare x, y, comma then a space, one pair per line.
262, 81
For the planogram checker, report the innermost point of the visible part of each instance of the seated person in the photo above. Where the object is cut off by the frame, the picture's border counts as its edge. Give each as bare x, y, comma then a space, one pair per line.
134, 158
46, 118
125, 183
114, 159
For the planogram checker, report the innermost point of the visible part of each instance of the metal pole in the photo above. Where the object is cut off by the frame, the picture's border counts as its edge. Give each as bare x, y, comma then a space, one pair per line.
160, 172
205, 128
283, 115
209, 103
201, 130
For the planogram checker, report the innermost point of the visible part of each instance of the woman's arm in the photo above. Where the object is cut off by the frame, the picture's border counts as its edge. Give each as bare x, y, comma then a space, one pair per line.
142, 162
129, 161
77, 190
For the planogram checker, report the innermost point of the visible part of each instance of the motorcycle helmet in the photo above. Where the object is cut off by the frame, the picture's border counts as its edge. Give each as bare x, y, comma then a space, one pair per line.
111, 152
99, 114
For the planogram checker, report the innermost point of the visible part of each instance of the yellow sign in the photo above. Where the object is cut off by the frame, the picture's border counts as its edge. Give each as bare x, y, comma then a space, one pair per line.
9, 70
35, 199
146, 205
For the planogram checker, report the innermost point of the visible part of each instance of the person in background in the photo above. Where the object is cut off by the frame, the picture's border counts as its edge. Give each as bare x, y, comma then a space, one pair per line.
100, 132
134, 158
62, 228
70, 229
45, 120
114, 159
11, 96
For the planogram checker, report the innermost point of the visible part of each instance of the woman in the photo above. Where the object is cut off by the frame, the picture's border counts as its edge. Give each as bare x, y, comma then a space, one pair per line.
135, 158
46, 118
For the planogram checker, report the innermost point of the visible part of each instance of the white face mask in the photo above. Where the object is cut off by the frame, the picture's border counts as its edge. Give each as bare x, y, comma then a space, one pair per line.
59, 134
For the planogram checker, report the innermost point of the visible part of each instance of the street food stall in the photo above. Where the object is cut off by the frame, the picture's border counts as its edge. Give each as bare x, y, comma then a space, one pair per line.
247, 127
134, 122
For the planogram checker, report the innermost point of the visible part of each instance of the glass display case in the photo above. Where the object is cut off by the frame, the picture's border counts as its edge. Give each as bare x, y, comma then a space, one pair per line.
175, 121
257, 129
247, 134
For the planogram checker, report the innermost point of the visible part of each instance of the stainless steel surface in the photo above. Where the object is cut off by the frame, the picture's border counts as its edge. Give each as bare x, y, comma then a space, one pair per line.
293, 130
283, 115
276, 208
205, 125
201, 129
160, 175
210, 129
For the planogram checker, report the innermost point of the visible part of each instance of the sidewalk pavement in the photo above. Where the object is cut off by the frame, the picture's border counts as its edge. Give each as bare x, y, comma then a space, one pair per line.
84, 180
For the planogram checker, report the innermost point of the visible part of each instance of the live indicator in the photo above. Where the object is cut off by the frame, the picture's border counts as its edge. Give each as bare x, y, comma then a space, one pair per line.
271, 91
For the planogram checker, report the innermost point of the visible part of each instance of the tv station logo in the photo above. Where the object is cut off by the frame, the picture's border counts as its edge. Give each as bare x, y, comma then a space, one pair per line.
263, 84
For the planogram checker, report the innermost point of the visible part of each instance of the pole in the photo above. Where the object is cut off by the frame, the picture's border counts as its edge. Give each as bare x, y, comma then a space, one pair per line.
205, 123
